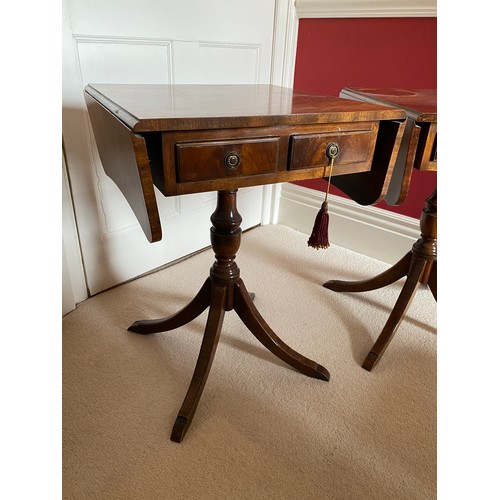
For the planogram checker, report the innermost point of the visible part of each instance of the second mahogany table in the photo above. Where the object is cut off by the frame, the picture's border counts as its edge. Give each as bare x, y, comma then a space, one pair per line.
418, 150
193, 138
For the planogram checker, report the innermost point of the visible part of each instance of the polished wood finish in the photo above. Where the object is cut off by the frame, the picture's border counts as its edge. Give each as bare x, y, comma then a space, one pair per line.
253, 157
223, 291
198, 138
124, 157
156, 108
368, 188
419, 144
281, 136
301, 155
419, 266
356, 142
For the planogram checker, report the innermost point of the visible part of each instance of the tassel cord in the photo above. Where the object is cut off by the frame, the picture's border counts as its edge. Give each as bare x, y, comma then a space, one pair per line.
329, 178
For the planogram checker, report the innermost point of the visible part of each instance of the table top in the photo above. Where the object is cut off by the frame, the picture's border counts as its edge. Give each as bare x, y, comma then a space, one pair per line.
185, 139
155, 108
419, 104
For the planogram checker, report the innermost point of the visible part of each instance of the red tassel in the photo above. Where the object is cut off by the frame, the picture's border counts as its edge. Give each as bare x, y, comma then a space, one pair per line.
319, 235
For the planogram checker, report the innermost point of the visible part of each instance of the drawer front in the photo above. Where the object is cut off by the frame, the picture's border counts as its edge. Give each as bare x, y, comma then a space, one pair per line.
356, 146
201, 161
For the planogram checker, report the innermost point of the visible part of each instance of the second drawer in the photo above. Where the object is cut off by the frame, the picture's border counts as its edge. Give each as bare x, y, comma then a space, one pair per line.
356, 147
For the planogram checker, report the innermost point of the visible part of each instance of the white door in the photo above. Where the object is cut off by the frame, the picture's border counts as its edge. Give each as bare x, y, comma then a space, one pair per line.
159, 41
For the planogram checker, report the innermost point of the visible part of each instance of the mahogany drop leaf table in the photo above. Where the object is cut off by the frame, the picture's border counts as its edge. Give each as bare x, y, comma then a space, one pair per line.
192, 138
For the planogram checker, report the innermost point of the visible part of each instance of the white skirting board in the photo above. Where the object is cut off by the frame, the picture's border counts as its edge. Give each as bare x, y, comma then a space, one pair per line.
368, 230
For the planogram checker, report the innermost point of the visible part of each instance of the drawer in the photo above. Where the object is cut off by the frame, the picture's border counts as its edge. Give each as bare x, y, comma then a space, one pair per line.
202, 161
356, 146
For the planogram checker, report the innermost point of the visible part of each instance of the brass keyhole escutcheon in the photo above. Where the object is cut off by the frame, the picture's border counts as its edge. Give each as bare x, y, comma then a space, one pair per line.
232, 160
332, 150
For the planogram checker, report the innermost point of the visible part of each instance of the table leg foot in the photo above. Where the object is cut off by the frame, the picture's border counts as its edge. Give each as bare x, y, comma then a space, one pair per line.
199, 303
388, 277
179, 429
203, 364
397, 314
370, 361
252, 319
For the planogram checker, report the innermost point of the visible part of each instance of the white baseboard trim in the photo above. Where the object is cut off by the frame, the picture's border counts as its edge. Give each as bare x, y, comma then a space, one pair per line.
368, 230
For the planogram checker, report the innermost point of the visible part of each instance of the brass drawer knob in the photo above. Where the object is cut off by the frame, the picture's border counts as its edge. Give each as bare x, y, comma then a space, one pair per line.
232, 160
332, 150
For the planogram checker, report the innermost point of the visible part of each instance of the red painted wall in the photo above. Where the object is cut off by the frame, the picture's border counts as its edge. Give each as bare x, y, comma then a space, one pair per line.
373, 52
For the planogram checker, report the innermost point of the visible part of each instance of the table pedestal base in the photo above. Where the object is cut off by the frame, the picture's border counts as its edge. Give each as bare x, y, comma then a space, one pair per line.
419, 265
223, 291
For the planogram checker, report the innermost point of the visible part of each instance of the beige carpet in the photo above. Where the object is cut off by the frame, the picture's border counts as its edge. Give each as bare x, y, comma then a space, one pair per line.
262, 430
